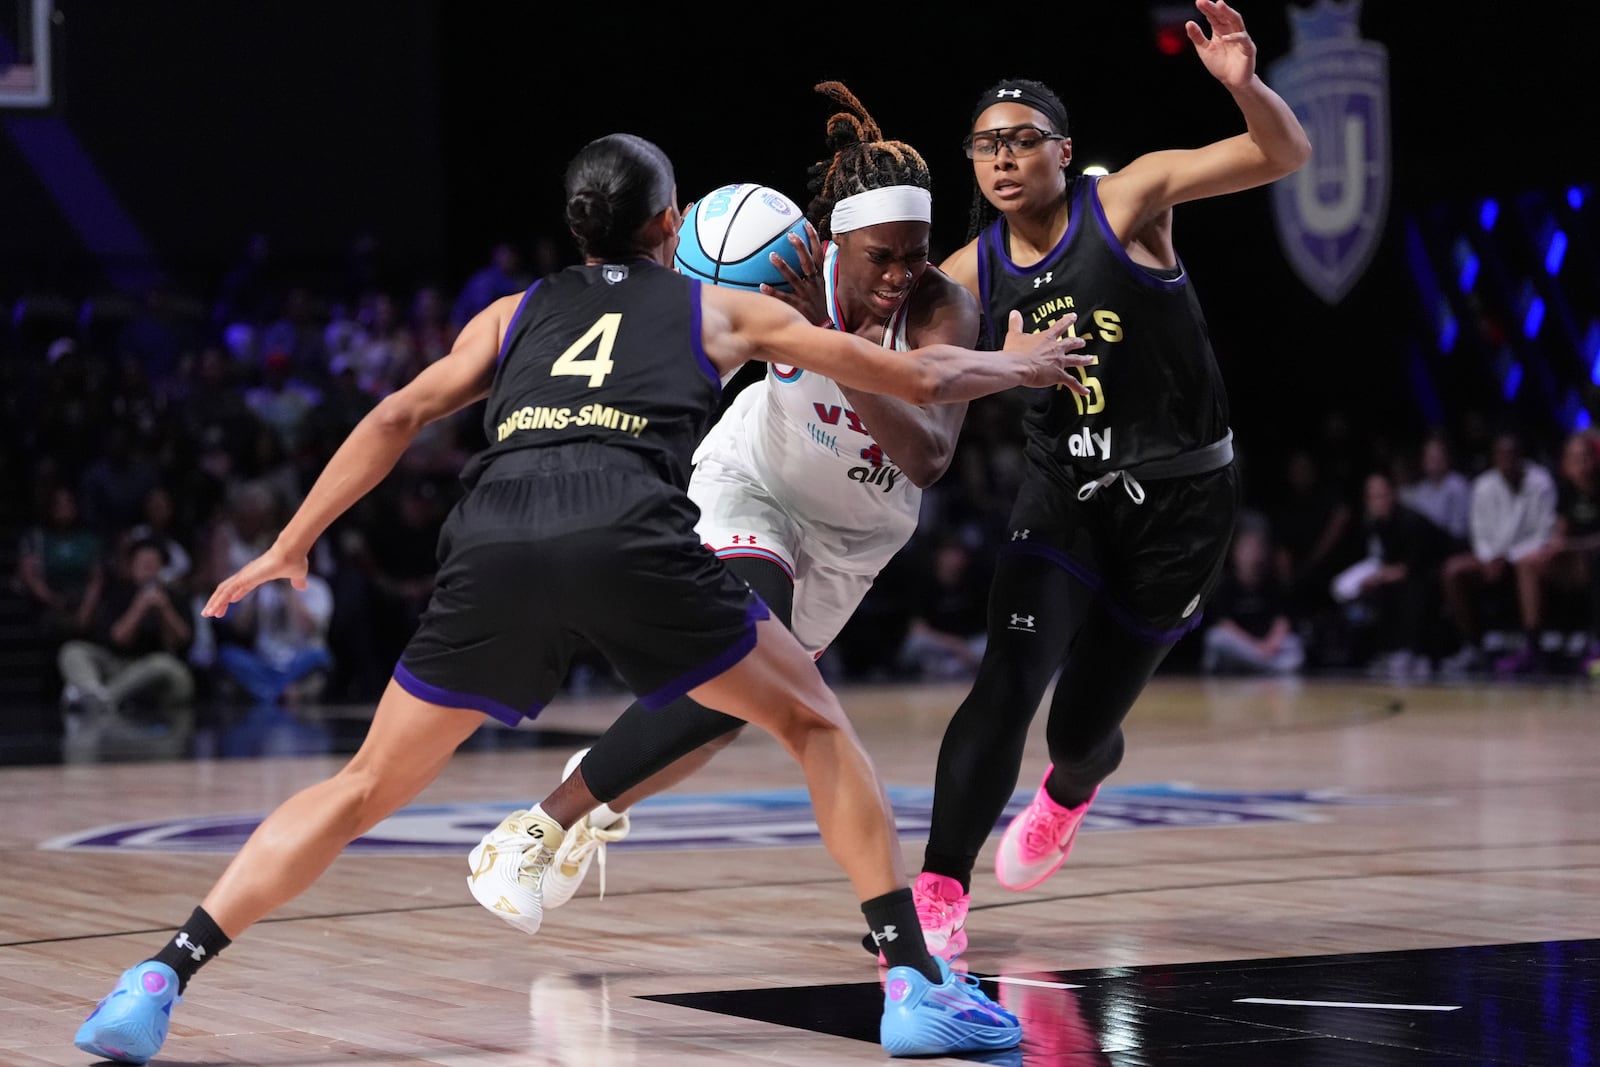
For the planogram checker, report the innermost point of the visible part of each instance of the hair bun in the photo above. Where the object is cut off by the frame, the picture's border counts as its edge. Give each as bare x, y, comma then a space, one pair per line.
588, 213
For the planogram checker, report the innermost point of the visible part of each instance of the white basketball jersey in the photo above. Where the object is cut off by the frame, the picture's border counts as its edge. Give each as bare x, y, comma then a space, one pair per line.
796, 435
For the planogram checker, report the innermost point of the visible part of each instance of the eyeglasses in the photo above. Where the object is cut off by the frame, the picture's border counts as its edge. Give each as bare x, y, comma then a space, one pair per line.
1021, 140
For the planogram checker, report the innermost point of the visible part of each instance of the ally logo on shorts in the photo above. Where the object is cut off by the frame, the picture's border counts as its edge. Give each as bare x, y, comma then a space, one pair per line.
765, 819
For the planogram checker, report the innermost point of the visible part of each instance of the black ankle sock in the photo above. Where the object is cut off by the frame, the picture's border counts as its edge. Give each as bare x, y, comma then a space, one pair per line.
894, 931
193, 946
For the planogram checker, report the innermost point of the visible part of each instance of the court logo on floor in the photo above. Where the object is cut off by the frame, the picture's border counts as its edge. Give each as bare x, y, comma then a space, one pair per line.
765, 819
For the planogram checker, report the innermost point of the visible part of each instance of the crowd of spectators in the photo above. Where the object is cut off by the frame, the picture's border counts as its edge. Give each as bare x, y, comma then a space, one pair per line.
1423, 569
160, 450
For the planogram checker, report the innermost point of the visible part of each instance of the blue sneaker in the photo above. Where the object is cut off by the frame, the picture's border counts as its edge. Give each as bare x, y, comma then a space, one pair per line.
130, 1024
923, 1019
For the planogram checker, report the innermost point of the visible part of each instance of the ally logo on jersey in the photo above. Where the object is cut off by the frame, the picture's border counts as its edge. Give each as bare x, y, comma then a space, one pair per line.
877, 470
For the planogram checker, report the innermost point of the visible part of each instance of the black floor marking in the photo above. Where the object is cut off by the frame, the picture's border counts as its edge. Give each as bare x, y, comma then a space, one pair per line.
1528, 1005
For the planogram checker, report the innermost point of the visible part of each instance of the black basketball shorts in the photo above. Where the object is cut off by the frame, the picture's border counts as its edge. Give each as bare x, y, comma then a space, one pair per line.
1154, 563
532, 565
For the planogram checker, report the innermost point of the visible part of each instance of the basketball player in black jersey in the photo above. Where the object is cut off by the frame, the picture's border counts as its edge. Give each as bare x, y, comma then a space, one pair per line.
875, 264
1127, 505
600, 380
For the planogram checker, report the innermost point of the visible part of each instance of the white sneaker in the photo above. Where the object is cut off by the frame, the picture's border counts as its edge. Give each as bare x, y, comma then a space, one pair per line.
509, 867
583, 843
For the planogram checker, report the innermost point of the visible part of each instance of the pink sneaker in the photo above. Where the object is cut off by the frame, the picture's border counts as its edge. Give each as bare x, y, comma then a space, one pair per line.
1038, 840
942, 914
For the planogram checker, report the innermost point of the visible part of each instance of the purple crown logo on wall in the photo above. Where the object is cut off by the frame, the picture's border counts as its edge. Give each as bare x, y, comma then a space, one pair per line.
1330, 214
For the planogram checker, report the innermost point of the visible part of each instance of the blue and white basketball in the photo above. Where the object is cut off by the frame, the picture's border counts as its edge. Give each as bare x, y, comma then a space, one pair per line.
729, 233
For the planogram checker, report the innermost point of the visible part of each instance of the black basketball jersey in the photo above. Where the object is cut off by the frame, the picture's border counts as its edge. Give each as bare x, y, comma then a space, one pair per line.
1154, 388
607, 355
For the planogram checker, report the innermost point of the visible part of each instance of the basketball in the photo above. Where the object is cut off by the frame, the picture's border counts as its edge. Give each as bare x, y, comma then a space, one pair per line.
729, 233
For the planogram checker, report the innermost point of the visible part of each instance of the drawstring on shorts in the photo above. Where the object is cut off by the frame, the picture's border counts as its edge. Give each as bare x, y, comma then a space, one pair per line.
1129, 482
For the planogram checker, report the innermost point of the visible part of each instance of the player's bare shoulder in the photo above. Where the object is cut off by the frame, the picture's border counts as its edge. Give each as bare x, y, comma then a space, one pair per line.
941, 303
962, 266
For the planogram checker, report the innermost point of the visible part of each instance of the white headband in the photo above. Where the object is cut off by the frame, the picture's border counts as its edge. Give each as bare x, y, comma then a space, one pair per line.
896, 203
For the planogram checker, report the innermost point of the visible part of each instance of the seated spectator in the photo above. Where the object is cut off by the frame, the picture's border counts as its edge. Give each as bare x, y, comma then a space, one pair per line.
297, 332
59, 567
1442, 495
157, 526
502, 276
1564, 564
1248, 625
1513, 515
134, 653
285, 658
212, 403
949, 616
1309, 527
398, 553
380, 350
429, 325
282, 401
112, 488
1393, 592
241, 531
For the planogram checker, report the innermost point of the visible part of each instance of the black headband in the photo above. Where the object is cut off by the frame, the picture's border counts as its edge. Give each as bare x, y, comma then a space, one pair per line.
1019, 93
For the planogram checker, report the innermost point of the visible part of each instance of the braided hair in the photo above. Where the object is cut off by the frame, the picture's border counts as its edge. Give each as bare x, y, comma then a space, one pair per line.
861, 160
1036, 95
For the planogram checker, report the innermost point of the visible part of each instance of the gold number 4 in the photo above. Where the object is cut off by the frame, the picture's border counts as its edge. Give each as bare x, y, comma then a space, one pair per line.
603, 333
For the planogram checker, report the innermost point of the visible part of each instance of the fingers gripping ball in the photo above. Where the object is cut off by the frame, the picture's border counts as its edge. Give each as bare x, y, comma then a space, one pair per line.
730, 232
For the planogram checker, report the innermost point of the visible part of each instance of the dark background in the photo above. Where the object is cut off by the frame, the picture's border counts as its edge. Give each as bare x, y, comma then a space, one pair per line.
437, 129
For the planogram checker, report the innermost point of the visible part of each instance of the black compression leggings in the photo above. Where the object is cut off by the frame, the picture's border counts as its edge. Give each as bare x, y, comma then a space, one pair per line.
1040, 617
642, 742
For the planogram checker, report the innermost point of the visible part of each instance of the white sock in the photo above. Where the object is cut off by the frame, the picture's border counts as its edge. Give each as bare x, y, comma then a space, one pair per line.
604, 817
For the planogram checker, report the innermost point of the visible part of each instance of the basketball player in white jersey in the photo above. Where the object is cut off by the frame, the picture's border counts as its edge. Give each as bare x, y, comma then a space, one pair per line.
806, 488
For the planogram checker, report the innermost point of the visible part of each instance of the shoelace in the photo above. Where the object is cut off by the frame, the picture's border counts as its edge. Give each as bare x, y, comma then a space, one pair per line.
935, 911
588, 841
1129, 482
982, 1000
535, 861
1045, 829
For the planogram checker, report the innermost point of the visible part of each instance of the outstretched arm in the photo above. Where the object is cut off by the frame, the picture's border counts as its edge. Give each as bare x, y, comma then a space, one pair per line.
1273, 145
374, 447
737, 327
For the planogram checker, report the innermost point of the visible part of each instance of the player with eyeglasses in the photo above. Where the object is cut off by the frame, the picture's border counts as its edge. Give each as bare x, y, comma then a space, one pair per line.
1127, 505
1018, 140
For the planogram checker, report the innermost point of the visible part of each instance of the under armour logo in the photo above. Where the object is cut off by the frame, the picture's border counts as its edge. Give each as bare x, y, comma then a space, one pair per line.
1021, 622
614, 273
196, 953
1012, 93
888, 934
1020, 535
747, 539
1043, 279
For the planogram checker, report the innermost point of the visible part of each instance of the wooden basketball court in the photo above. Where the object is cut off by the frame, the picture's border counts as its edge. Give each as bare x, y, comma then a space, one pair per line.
1316, 827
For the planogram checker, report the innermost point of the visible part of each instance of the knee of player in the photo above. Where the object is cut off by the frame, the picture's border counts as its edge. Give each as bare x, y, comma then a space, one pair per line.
360, 786
807, 714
